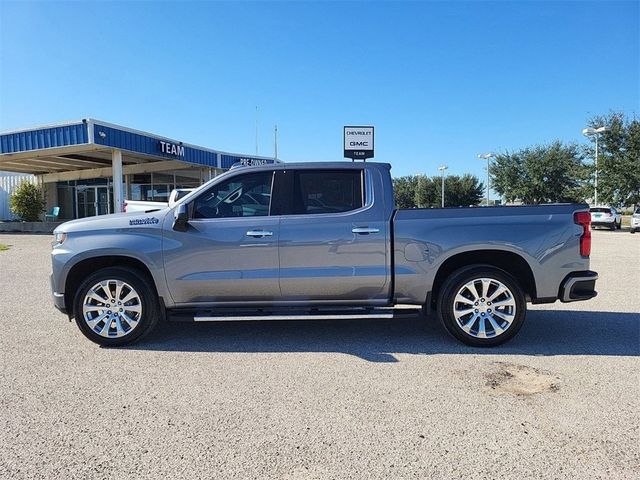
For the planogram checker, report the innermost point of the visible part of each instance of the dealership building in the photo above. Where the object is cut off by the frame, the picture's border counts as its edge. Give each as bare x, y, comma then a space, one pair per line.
90, 167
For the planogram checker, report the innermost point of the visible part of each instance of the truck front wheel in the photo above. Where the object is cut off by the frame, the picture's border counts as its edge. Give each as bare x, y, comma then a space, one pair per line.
116, 306
482, 306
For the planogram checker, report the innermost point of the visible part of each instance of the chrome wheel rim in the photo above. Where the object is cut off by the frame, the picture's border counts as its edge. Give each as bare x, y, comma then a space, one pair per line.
484, 308
112, 308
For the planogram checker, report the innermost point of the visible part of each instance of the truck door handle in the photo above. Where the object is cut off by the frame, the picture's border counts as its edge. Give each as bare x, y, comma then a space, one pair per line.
259, 233
364, 230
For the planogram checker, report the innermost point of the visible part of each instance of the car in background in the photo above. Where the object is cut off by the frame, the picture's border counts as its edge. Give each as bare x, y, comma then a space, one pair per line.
605, 217
635, 221
146, 206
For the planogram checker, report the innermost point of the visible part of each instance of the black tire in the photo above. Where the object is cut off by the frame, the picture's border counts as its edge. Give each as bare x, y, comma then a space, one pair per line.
148, 299
619, 226
456, 281
632, 230
613, 226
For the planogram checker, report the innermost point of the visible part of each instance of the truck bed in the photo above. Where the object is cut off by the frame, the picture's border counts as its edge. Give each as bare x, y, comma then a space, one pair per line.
425, 238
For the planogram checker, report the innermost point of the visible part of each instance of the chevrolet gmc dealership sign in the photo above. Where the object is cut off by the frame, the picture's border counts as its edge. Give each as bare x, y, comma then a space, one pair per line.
358, 142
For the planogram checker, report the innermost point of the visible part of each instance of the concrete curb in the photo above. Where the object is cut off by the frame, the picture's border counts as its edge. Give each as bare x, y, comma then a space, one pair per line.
28, 227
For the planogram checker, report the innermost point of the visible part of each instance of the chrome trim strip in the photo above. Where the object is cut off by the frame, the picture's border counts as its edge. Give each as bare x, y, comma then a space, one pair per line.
240, 318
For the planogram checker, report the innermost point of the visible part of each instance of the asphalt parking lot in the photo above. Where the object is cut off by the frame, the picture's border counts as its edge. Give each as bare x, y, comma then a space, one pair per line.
355, 399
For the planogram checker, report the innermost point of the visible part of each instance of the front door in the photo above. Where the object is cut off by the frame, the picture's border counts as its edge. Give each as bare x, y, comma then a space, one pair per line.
92, 200
229, 254
333, 239
85, 201
103, 200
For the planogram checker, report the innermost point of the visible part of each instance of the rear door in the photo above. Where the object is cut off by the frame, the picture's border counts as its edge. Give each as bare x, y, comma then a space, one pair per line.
333, 237
229, 254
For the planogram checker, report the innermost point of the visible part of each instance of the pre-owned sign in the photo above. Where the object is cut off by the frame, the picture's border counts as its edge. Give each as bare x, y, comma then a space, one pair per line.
252, 162
358, 142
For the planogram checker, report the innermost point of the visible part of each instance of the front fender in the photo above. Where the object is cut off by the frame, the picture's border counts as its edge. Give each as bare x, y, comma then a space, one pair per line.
143, 244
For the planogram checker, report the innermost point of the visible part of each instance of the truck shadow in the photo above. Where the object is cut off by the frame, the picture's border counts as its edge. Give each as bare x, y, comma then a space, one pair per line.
546, 332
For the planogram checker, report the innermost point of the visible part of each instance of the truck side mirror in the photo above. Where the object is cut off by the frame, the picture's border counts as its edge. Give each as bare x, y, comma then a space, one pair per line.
181, 218
172, 197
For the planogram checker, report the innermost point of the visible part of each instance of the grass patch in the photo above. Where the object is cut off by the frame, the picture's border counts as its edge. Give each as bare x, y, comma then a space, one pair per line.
3, 247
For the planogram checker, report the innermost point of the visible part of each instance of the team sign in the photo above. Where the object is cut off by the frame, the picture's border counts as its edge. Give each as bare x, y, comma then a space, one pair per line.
171, 149
358, 142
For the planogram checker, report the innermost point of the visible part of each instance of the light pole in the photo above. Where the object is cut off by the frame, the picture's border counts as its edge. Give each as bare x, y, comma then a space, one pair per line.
442, 168
488, 157
275, 142
593, 132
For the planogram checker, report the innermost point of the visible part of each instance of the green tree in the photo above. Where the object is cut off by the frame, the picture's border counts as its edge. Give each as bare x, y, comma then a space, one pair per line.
27, 202
618, 159
404, 191
425, 192
540, 174
461, 191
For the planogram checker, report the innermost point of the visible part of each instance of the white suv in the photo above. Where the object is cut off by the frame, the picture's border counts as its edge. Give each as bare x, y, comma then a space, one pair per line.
605, 217
635, 221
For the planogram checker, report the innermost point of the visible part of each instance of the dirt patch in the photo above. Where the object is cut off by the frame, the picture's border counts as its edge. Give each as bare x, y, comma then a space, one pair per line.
520, 380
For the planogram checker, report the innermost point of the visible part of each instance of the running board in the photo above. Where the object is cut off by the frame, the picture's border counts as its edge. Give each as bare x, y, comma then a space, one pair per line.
350, 315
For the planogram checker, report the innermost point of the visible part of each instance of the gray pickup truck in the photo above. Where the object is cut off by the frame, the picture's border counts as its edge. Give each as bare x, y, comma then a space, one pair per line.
317, 241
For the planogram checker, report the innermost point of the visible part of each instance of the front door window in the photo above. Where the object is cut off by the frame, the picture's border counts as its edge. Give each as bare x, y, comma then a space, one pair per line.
243, 196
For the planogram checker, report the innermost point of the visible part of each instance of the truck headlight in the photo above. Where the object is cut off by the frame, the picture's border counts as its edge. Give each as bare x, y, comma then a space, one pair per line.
58, 238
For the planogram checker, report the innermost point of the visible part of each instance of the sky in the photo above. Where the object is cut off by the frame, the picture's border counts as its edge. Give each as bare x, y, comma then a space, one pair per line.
441, 81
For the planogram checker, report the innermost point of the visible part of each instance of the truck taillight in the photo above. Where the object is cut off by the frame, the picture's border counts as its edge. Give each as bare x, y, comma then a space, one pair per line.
584, 219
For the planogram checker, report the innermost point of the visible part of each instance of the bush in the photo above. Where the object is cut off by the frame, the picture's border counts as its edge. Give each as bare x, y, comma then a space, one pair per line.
27, 202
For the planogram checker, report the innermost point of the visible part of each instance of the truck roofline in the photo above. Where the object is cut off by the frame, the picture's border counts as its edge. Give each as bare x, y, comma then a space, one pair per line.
334, 164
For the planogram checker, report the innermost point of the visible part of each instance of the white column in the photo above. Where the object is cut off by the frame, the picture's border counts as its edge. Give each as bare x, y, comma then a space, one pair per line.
118, 187
127, 186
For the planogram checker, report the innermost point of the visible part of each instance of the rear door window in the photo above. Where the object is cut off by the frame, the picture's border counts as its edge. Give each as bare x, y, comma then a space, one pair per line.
327, 191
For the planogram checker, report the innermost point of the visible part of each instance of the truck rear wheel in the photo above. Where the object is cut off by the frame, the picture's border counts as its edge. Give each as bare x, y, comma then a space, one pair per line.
116, 306
482, 306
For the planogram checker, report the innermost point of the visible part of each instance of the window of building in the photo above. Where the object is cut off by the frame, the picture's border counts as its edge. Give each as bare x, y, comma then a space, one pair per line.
157, 186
